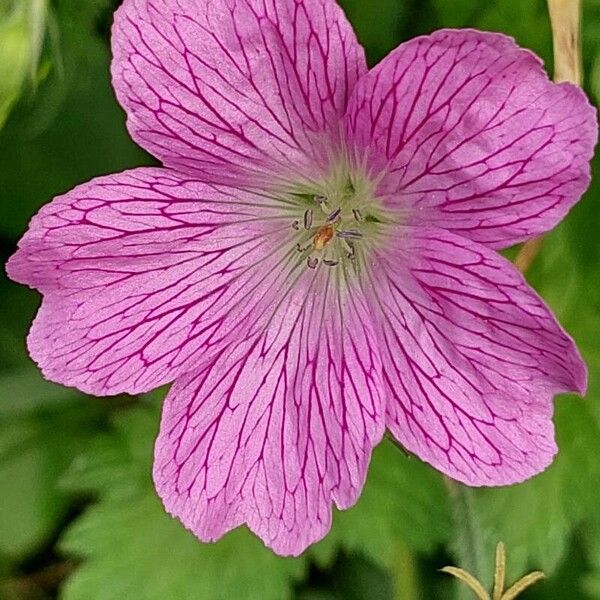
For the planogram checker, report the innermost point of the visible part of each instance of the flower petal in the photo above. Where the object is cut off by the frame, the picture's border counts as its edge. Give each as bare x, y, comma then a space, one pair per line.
468, 134
279, 427
231, 89
472, 358
143, 273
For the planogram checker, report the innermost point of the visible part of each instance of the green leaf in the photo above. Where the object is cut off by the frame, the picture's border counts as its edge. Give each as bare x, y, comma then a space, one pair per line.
22, 31
565, 583
527, 22
377, 24
357, 579
41, 427
117, 464
19, 306
403, 501
25, 393
71, 131
591, 46
132, 548
591, 582
529, 518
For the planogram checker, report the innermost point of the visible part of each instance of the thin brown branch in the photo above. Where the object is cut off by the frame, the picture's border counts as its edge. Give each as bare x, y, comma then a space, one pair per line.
527, 254
47, 579
565, 17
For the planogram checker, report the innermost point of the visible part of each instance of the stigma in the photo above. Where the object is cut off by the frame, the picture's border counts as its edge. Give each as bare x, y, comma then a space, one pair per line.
323, 236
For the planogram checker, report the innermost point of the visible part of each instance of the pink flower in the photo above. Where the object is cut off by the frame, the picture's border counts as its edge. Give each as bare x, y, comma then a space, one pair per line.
315, 261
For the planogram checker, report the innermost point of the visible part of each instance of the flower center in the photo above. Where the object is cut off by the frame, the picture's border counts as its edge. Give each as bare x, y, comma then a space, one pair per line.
337, 225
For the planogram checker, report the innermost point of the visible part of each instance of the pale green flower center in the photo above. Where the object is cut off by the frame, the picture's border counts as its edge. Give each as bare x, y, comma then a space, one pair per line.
338, 222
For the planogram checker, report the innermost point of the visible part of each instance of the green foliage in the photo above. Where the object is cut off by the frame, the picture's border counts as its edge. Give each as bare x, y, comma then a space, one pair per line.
20, 306
22, 31
404, 502
75, 131
527, 21
591, 46
129, 543
591, 582
132, 546
42, 426
377, 24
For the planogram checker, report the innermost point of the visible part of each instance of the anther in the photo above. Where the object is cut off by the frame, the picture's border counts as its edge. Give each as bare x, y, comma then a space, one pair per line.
350, 251
332, 217
296, 225
330, 263
320, 199
349, 234
308, 219
357, 215
312, 262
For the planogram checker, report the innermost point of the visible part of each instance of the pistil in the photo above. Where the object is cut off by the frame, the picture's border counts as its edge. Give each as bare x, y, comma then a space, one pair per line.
323, 236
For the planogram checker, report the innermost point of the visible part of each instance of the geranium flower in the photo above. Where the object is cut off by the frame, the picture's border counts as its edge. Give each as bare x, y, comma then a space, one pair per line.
316, 261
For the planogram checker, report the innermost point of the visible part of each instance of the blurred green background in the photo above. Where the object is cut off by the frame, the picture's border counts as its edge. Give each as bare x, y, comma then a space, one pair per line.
79, 519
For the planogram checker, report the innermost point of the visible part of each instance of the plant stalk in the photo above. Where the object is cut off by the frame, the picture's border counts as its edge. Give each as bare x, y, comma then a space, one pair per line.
565, 18
469, 549
406, 579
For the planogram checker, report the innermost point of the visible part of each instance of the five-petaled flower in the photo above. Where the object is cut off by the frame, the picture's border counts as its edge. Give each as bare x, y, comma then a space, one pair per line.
316, 261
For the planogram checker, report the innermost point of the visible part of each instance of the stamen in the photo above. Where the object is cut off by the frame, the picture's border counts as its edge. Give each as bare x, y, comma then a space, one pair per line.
308, 219
330, 263
302, 248
312, 262
332, 217
350, 250
349, 234
357, 215
296, 225
320, 199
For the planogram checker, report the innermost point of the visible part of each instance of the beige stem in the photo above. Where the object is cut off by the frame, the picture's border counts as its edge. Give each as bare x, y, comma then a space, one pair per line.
565, 16
469, 580
500, 574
